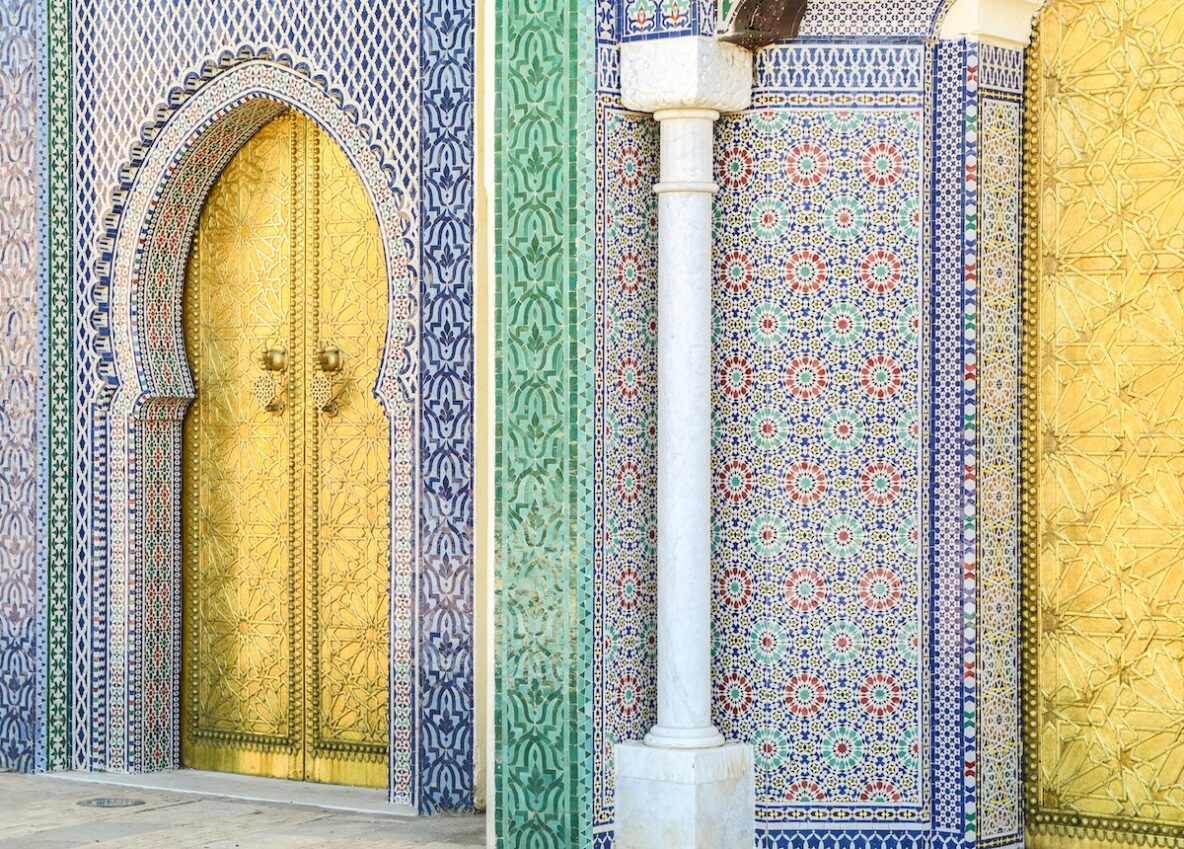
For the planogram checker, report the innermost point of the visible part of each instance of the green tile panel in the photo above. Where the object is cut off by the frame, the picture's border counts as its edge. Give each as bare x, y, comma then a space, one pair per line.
545, 422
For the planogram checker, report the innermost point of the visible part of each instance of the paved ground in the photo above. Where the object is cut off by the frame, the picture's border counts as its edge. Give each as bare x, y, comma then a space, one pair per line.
43, 813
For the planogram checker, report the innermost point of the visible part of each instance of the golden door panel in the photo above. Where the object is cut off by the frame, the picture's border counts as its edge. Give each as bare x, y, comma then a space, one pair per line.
1107, 137
242, 694
349, 523
286, 518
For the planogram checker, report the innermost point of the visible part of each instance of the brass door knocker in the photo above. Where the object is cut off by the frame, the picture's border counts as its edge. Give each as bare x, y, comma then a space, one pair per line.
324, 394
267, 387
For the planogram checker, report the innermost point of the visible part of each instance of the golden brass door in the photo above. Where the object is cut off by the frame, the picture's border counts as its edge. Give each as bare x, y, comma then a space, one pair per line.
287, 470
1105, 575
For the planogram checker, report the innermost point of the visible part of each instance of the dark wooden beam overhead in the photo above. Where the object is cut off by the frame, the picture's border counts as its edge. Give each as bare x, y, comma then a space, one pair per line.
760, 22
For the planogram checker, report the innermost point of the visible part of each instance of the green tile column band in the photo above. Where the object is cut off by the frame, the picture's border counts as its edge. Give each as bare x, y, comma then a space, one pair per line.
60, 371
545, 421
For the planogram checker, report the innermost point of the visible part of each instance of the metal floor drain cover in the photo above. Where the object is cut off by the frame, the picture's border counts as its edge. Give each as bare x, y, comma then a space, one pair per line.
111, 803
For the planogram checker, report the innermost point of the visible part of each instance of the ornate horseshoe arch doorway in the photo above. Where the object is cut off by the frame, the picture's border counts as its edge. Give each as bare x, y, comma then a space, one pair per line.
286, 519
150, 388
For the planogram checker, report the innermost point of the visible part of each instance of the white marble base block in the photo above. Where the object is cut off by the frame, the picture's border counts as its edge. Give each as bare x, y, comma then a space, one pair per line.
684, 798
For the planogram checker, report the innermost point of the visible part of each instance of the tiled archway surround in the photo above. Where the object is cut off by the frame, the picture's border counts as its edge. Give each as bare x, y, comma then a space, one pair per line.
393, 84
147, 388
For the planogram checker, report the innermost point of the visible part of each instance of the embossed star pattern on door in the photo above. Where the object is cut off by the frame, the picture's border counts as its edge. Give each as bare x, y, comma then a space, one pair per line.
287, 470
1106, 724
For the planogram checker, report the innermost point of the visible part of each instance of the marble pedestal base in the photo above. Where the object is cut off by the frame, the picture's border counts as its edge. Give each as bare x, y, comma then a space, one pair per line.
684, 798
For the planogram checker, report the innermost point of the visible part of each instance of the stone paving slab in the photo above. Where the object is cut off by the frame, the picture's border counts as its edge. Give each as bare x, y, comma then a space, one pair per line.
38, 812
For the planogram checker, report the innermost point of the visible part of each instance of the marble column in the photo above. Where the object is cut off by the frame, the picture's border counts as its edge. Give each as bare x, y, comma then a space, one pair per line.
684, 432
684, 787
1006, 23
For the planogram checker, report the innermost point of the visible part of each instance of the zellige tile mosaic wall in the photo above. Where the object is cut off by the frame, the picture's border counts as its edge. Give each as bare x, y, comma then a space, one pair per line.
820, 599
22, 375
413, 89
845, 550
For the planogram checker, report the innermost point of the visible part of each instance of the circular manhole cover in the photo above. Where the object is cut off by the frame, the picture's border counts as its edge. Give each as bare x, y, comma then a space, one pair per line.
111, 803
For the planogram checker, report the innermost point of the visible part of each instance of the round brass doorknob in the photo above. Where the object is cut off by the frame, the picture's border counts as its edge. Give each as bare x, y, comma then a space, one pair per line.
330, 359
275, 359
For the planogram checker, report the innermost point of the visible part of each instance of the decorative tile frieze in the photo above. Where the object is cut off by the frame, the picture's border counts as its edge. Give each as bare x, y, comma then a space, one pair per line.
787, 70
1001, 69
643, 20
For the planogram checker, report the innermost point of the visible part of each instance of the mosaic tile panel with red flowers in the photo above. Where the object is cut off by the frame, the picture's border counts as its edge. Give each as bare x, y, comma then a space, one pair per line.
819, 599
626, 425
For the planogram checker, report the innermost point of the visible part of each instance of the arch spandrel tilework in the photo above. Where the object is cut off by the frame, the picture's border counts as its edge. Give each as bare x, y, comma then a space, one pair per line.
149, 387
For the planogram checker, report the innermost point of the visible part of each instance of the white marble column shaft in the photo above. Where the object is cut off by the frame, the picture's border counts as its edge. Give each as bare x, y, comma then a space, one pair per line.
684, 788
684, 431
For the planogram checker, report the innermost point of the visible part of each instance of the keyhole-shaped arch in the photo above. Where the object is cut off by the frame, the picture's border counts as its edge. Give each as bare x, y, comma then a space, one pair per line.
148, 388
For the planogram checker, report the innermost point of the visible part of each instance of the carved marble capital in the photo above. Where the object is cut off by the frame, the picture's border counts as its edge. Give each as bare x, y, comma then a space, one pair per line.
1007, 23
690, 72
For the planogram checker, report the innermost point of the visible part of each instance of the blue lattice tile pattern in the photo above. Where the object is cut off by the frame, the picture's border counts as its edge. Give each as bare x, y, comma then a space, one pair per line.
783, 70
22, 401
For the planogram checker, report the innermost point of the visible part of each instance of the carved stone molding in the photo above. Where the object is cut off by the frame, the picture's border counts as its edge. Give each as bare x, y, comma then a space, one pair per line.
691, 72
1007, 23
